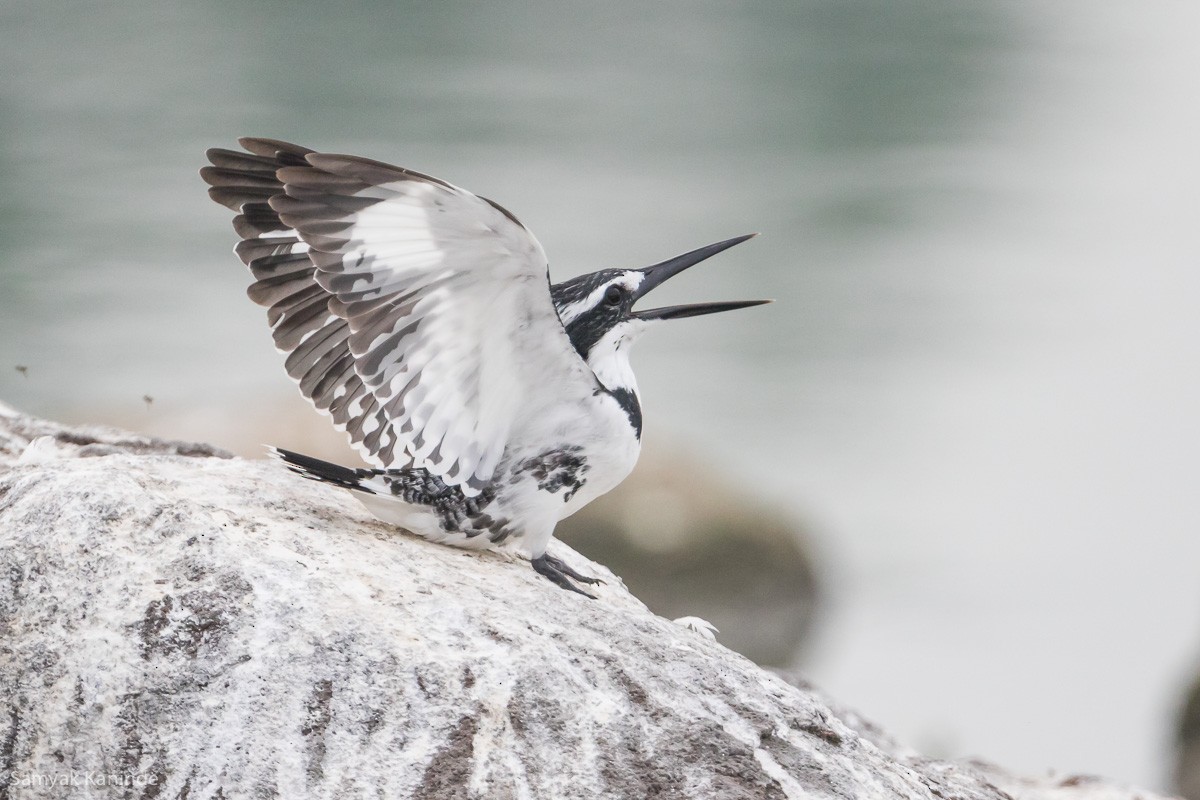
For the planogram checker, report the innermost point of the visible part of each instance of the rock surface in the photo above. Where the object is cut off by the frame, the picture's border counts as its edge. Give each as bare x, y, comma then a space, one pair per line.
686, 542
177, 625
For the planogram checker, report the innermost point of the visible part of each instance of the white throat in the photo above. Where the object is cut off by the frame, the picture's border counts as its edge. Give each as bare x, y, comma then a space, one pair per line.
609, 357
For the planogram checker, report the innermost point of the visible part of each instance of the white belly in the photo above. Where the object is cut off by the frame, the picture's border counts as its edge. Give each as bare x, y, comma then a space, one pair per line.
570, 457
603, 440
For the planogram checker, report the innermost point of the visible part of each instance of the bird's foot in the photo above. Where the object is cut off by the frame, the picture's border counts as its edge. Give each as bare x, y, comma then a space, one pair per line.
557, 571
562, 567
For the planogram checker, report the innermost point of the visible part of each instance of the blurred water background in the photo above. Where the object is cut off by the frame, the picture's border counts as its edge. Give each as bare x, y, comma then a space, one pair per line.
978, 388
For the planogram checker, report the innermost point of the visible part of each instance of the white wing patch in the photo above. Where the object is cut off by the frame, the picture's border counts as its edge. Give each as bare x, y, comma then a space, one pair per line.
411, 310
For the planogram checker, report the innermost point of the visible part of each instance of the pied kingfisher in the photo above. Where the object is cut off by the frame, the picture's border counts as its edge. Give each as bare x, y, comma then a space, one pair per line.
421, 319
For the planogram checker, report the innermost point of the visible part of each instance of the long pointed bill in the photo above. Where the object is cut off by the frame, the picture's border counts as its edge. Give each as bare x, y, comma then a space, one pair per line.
696, 309
659, 273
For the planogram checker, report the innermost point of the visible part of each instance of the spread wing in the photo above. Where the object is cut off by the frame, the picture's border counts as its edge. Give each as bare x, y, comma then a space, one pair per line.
416, 314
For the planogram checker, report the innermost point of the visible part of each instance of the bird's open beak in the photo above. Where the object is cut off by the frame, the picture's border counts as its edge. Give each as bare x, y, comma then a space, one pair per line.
658, 273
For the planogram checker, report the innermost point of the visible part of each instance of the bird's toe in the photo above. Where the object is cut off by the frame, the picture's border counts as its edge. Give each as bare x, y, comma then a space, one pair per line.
565, 569
558, 573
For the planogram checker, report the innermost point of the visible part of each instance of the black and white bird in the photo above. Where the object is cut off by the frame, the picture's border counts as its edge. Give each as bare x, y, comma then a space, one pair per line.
421, 319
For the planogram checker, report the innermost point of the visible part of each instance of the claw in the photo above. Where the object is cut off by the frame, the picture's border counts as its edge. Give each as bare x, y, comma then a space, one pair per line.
558, 572
562, 567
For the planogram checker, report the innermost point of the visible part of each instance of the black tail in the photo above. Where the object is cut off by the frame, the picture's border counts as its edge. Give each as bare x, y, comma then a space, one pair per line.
324, 471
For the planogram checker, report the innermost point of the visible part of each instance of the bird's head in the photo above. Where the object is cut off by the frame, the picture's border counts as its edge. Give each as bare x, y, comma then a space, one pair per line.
597, 310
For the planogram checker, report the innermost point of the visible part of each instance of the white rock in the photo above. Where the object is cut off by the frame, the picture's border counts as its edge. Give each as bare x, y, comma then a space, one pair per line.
203, 627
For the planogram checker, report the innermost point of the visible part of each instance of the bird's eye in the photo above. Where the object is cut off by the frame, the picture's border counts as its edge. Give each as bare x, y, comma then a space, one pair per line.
613, 295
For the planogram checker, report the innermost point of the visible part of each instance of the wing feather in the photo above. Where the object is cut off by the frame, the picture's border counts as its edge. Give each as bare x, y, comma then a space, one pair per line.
414, 313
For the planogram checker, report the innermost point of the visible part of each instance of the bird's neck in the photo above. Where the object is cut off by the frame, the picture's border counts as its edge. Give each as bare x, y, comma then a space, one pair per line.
615, 373
609, 360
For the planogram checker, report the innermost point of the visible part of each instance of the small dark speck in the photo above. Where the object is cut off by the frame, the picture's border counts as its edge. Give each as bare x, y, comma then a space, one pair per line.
24, 370
148, 400
161, 581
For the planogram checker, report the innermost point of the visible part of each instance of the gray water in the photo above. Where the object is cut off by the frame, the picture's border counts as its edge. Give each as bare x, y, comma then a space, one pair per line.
978, 386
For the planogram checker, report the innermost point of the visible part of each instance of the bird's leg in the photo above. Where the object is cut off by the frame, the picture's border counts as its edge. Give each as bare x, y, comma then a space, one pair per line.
557, 571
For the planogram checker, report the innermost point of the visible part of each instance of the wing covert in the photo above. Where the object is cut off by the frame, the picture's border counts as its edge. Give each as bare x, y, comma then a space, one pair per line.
412, 311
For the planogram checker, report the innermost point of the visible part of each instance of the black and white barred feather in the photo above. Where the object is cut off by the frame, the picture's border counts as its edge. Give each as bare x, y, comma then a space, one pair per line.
400, 300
